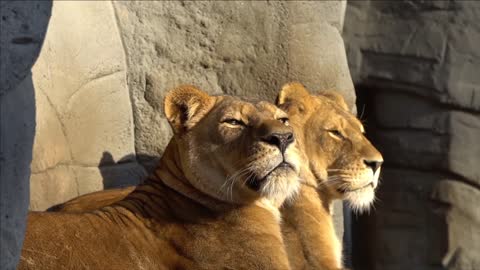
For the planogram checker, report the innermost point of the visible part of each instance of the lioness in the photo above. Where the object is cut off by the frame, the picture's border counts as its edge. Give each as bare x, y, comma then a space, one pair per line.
342, 164
211, 203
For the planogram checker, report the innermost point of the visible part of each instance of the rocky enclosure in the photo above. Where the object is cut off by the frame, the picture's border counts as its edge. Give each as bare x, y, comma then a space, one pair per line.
417, 65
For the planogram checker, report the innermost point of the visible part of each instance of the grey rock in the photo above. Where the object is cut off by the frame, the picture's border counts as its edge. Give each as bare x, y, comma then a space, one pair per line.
451, 145
406, 221
420, 47
392, 112
419, 62
318, 60
122, 175
22, 29
463, 219
240, 48
83, 104
64, 182
17, 129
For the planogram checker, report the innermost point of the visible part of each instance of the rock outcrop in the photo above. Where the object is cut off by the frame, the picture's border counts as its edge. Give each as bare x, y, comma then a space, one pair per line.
416, 64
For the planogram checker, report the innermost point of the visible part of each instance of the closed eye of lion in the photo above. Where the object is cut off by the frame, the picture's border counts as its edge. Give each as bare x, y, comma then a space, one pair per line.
212, 202
342, 164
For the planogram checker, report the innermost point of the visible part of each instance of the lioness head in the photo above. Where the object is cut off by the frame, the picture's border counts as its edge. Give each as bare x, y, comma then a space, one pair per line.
340, 157
233, 149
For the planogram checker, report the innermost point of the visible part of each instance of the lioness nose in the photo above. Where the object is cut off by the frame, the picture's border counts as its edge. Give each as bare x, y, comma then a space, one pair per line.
281, 140
373, 164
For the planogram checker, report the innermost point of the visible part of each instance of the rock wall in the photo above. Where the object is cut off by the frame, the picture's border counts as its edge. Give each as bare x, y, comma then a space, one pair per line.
239, 48
84, 115
22, 31
416, 66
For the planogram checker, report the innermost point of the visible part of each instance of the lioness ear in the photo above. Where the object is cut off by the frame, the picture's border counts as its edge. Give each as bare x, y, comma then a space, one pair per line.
185, 106
293, 91
335, 97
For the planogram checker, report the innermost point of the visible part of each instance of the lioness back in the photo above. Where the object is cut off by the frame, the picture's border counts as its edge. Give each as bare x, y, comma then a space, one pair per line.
92, 201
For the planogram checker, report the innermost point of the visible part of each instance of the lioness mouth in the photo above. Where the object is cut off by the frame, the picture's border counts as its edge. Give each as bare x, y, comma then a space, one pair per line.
345, 190
255, 183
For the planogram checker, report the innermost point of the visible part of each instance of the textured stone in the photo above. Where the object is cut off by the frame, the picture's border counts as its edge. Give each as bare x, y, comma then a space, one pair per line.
53, 186
64, 182
240, 48
17, 127
317, 13
23, 27
54, 147
406, 222
426, 48
455, 150
422, 114
112, 176
418, 63
22, 30
83, 104
318, 61
463, 219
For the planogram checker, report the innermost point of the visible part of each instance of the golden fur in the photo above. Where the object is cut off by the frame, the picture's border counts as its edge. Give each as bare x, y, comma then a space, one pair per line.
342, 164
210, 204
93, 201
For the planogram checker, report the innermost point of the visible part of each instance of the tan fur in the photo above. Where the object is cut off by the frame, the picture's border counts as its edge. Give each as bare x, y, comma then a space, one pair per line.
336, 150
92, 201
211, 203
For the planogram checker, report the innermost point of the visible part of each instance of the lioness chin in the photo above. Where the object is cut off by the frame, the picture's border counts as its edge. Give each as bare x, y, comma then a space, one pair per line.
212, 203
342, 164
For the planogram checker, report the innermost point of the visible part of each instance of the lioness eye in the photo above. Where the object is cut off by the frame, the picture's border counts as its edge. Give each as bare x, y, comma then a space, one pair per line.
284, 120
234, 122
336, 133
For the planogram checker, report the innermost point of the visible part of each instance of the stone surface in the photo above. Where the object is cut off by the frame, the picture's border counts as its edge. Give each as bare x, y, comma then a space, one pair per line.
417, 67
64, 182
427, 136
23, 27
22, 30
54, 185
82, 100
432, 215
425, 49
408, 228
240, 48
318, 61
463, 223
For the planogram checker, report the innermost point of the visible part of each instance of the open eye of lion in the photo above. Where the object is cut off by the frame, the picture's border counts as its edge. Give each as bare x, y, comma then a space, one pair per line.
234, 122
284, 120
336, 134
